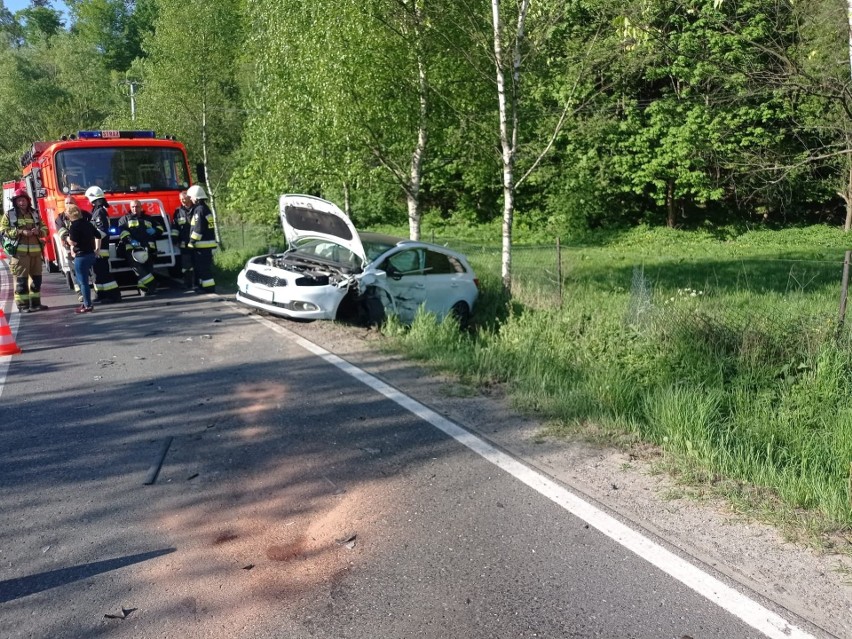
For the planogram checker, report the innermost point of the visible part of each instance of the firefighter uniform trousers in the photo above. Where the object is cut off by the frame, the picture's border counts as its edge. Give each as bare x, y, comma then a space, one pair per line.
143, 271
138, 234
106, 287
181, 219
202, 239
26, 267
26, 262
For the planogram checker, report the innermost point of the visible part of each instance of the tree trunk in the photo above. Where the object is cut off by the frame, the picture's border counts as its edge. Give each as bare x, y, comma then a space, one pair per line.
415, 177
508, 138
671, 209
210, 195
847, 193
347, 203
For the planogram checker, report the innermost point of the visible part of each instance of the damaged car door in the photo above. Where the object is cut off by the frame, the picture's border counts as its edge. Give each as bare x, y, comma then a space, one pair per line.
406, 281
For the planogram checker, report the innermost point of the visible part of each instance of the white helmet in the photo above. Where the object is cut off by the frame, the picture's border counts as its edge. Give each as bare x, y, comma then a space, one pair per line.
94, 193
196, 192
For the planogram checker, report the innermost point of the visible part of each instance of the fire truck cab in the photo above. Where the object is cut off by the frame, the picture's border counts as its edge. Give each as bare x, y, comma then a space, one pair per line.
127, 165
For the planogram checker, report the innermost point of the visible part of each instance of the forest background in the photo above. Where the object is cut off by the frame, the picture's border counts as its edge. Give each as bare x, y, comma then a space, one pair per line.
610, 126
665, 112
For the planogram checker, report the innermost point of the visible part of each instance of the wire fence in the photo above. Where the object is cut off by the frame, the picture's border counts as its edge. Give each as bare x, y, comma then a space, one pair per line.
747, 293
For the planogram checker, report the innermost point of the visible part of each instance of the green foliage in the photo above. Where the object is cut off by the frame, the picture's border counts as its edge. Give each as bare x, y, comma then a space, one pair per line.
114, 27
731, 361
190, 79
46, 91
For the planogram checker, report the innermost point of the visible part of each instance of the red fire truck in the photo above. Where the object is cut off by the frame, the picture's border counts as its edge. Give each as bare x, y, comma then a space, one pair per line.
127, 165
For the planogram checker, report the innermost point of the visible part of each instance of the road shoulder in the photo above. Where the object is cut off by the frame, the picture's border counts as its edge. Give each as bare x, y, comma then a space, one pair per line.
814, 586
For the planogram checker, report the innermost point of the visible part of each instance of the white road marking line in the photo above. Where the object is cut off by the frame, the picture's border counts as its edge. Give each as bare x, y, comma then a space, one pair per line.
749, 611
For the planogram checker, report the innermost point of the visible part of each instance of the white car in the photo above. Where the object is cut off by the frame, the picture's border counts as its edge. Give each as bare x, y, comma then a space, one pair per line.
330, 271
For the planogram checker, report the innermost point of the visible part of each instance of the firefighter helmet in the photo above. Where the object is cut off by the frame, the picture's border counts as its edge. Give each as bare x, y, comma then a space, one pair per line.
94, 193
20, 192
196, 192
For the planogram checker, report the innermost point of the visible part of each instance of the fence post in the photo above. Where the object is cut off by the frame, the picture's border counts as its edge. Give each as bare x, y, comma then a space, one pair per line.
844, 290
559, 270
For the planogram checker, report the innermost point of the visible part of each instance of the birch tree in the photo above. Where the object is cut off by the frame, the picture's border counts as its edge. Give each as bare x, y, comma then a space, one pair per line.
189, 83
507, 100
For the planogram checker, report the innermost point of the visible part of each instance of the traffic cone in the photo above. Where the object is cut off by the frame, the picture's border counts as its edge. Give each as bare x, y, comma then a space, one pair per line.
7, 342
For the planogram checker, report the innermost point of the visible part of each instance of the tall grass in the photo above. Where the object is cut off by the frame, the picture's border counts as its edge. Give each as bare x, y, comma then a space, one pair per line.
724, 354
719, 347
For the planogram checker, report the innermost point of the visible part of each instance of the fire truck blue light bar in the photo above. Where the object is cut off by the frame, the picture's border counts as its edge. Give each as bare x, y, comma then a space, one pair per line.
111, 135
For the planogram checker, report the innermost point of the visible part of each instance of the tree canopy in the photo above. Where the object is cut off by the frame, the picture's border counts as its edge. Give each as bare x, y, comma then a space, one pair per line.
677, 112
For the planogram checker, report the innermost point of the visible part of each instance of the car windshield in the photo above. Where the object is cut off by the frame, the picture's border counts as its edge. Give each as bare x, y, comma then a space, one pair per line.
122, 169
373, 248
327, 251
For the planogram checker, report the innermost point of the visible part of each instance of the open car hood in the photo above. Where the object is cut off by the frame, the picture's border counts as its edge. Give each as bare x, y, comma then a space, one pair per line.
305, 216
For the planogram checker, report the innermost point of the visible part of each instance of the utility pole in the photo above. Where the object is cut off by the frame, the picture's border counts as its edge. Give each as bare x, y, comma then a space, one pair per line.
132, 101
133, 84
847, 225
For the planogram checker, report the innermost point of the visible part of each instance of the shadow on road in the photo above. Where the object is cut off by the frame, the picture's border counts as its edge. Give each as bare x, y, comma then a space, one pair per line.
12, 589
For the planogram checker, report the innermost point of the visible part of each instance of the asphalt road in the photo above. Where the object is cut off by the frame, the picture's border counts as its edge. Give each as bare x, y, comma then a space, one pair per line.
293, 499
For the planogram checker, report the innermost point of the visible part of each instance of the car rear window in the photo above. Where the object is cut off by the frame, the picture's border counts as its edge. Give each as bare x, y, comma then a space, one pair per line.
441, 264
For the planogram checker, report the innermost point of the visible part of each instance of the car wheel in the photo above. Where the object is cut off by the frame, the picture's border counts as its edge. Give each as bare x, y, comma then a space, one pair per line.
372, 307
461, 311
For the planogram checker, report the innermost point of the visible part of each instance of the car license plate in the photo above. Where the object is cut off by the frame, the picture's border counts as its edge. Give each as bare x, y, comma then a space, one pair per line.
263, 294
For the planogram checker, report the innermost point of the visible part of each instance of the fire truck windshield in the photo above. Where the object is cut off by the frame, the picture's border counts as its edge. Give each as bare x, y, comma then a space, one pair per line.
121, 169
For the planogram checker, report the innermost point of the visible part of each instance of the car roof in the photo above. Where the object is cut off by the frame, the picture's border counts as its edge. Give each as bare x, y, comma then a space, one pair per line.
381, 238
393, 240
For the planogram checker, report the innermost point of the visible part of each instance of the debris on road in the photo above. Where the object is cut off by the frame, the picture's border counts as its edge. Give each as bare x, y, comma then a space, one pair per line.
347, 541
124, 614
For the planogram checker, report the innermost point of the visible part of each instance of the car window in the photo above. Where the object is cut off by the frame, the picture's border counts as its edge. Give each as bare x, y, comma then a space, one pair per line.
404, 262
457, 265
373, 249
325, 250
439, 264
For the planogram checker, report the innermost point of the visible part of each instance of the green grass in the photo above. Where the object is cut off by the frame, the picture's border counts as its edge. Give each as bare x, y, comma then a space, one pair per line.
723, 353
721, 349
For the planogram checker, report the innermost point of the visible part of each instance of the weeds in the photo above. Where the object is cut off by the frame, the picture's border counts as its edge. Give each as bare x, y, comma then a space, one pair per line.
722, 349
727, 359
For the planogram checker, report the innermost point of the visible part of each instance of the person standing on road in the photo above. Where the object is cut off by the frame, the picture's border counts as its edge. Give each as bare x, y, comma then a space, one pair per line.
202, 239
181, 227
23, 226
62, 224
85, 240
105, 283
138, 243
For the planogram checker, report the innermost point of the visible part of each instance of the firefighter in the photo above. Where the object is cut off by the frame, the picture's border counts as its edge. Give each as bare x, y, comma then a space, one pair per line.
137, 242
106, 286
62, 225
202, 239
26, 231
181, 227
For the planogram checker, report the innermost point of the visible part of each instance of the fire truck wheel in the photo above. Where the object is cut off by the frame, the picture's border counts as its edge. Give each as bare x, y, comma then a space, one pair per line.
52, 267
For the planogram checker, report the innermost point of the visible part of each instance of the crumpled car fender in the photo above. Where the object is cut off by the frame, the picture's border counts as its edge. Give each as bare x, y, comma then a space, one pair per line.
377, 291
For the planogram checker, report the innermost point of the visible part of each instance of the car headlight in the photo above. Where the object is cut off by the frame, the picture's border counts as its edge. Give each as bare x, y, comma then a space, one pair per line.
301, 306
